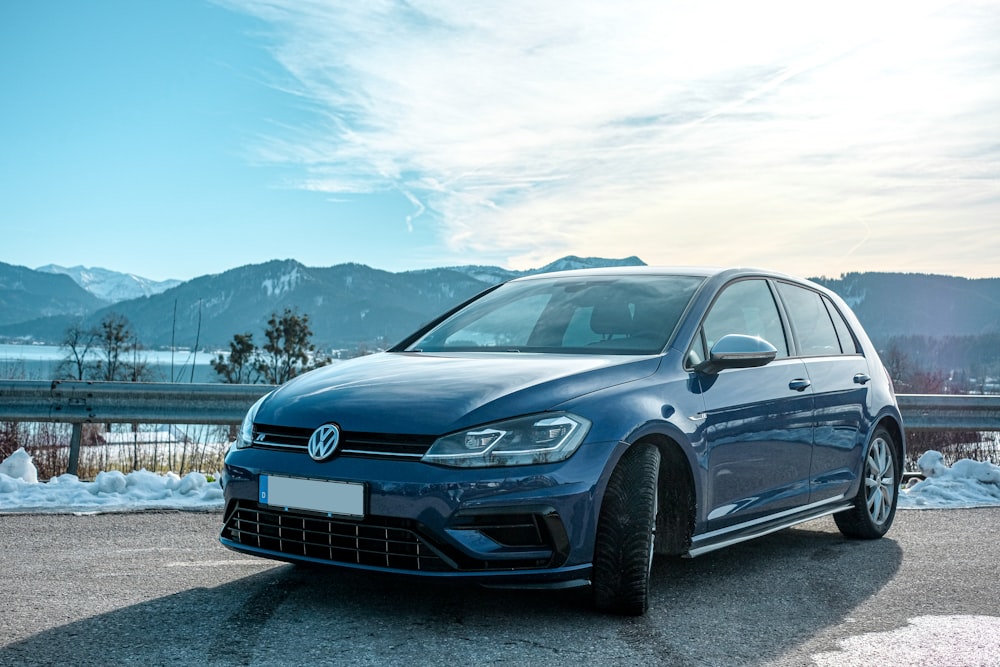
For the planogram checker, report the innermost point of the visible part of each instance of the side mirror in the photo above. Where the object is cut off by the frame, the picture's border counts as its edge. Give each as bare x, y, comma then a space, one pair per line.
737, 351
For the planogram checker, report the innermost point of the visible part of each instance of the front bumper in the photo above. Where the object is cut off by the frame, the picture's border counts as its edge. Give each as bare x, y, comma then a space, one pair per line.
526, 525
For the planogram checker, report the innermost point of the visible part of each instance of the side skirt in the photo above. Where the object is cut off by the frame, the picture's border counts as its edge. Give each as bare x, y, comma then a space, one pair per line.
718, 539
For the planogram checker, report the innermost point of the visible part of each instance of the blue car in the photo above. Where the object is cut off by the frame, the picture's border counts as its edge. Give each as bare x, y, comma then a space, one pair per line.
558, 430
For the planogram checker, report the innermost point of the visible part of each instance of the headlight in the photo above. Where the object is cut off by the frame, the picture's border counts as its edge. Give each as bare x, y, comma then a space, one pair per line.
543, 438
245, 438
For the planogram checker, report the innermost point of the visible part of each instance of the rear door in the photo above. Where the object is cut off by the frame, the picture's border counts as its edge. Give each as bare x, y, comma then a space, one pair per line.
840, 377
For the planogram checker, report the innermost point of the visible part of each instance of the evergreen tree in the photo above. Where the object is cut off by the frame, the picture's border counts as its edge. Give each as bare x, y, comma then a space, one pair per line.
288, 352
241, 366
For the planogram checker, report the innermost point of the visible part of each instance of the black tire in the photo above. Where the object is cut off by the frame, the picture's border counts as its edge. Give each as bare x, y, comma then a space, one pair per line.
875, 504
626, 531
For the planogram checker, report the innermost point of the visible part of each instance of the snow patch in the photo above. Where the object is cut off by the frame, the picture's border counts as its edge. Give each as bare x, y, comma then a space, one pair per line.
282, 284
111, 491
19, 466
111, 285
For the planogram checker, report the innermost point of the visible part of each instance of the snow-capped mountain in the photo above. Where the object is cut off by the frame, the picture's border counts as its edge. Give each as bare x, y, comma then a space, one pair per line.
111, 285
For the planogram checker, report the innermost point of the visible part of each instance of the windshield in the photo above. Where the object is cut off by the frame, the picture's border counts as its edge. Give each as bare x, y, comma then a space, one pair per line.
632, 314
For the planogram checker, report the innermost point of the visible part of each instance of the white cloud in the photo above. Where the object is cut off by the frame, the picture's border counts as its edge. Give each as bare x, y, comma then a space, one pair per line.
722, 132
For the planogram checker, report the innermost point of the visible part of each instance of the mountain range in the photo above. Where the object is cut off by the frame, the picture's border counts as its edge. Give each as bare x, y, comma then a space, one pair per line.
914, 304
348, 304
111, 286
352, 304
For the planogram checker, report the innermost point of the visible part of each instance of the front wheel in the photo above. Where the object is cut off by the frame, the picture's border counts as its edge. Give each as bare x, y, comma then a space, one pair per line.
875, 504
623, 550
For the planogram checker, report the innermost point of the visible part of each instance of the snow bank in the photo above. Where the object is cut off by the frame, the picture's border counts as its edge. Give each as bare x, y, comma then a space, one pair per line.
112, 491
966, 484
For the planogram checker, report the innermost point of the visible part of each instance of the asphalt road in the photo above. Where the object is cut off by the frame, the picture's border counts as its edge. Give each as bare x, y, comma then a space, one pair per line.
157, 588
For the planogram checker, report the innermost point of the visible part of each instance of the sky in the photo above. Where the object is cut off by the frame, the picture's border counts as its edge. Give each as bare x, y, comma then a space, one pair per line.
184, 138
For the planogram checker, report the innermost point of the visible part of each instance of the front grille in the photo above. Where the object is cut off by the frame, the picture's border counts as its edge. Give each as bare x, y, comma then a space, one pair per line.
385, 542
383, 445
375, 542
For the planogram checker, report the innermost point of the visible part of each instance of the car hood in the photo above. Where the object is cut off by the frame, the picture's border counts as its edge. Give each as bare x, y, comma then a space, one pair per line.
434, 394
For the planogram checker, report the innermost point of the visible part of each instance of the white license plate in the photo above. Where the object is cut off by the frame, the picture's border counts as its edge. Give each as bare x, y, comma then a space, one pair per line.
342, 498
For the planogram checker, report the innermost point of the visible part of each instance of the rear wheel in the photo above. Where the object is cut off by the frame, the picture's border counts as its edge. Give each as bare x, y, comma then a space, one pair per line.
623, 551
875, 505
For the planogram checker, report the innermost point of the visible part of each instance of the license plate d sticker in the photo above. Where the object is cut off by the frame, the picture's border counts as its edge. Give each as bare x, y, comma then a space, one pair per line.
341, 498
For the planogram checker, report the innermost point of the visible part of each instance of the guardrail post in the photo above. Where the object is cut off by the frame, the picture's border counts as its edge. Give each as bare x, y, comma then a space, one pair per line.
74, 448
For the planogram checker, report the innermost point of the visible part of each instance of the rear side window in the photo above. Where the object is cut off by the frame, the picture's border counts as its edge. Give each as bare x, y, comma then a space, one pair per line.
811, 323
847, 342
746, 307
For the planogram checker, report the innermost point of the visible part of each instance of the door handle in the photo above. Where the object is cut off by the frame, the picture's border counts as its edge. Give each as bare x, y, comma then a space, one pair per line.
799, 384
861, 378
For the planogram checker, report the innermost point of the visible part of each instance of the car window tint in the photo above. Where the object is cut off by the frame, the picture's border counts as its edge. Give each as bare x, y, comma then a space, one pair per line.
811, 322
746, 307
847, 342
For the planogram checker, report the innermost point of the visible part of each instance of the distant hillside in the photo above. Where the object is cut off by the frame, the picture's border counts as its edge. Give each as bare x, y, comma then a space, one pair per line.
111, 286
911, 304
347, 304
352, 304
27, 294
493, 275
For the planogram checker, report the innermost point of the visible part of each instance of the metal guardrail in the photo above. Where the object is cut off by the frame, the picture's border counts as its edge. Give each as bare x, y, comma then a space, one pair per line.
78, 403
75, 402
949, 412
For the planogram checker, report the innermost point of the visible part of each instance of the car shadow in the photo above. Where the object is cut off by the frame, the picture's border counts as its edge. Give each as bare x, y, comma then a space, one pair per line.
744, 605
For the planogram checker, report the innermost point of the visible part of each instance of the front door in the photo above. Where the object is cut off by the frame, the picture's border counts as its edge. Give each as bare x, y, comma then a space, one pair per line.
758, 422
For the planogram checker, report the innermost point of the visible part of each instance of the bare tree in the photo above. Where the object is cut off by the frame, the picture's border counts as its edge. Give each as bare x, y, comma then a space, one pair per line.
118, 352
79, 342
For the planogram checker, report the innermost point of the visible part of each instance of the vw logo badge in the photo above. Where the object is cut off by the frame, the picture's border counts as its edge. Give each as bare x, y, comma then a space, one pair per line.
323, 442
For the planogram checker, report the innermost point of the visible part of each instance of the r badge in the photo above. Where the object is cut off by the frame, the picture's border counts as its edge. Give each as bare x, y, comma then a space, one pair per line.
323, 442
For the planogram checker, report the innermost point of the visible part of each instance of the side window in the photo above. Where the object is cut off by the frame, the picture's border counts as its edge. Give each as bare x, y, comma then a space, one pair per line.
746, 307
811, 322
847, 343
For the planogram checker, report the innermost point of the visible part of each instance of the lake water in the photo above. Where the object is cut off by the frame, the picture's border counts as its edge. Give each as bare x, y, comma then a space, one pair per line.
40, 362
